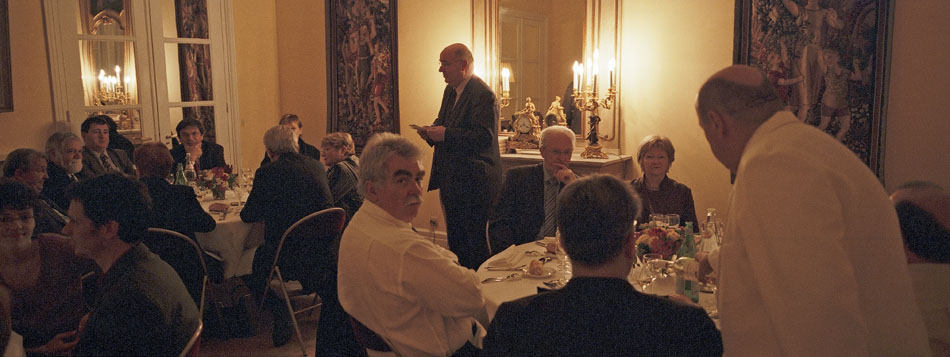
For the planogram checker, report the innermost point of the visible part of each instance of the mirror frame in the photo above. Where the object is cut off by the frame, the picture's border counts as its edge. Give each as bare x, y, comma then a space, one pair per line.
602, 30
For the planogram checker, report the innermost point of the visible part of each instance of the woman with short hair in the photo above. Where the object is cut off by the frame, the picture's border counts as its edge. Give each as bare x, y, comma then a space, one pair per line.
339, 155
658, 192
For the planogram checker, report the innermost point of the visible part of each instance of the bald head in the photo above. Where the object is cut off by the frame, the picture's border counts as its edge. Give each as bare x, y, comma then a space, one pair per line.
740, 92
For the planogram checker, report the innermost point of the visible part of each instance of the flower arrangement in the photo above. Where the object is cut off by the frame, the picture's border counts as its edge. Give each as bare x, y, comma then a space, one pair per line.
659, 240
218, 180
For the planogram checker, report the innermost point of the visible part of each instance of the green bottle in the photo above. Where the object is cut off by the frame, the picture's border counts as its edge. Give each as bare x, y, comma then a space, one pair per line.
687, 250
180, 175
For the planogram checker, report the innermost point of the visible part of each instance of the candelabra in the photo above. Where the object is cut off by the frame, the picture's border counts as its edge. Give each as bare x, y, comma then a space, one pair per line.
587, 100
114, 96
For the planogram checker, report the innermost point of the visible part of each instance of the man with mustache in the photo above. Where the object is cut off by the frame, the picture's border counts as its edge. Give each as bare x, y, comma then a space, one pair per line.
64, 152
409, 291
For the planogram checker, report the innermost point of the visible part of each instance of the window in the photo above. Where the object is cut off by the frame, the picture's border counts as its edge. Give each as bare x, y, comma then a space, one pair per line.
147, 64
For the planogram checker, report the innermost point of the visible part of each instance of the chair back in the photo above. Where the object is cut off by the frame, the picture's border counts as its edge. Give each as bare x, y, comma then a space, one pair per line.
191, 348
311, 244
185, 256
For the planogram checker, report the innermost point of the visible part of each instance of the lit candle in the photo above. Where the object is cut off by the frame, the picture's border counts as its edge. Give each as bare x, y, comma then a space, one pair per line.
580, 71
577, 76
590, 71
102, 79
505, 75
596, 70
610, 67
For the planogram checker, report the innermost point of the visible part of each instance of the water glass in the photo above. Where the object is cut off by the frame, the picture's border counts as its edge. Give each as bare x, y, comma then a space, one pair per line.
673, 220
658, 219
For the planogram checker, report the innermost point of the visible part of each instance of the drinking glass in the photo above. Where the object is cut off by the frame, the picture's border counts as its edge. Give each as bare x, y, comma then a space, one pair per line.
656, 263
643, 276
659, 219
673, 220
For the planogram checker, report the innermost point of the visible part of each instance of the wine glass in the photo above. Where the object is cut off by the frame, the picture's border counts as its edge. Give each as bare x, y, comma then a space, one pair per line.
658, 219
656, 263
673, 220
643, 276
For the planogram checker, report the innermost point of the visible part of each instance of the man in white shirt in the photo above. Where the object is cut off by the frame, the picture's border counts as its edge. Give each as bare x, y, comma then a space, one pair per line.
923, 209
403, 287
811, 261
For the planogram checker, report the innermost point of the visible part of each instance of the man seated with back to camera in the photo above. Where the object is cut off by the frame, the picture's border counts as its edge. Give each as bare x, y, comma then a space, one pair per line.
527, 207
206, 155
923, 209
140, 306
409, 291
598, 312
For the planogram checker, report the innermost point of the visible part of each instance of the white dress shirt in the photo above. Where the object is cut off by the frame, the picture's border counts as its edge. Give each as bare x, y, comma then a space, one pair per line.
812, 262
932, 288
405, 288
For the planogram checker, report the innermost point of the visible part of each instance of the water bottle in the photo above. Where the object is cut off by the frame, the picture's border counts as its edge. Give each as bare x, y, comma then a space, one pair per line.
180, 175
190, 174
684, 266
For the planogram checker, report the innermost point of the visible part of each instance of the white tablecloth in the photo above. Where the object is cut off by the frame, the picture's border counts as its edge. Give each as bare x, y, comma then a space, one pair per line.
228, 239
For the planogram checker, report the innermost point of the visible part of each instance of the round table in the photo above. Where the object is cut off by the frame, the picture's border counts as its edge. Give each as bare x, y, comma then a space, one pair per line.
230, 238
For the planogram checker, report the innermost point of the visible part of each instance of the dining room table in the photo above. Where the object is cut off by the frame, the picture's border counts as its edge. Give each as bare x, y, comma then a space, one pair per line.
509, 266
233, 240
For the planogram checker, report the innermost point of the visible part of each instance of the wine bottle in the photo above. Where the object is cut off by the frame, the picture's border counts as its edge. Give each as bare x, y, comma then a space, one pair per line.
180, 175
190, 174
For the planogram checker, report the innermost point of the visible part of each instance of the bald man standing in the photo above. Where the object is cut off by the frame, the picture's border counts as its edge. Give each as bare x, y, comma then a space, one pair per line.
466, 165
811, 262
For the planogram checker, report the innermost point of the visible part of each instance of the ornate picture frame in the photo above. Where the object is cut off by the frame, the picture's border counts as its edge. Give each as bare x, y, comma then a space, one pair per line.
361, 67
830, 57
6, 74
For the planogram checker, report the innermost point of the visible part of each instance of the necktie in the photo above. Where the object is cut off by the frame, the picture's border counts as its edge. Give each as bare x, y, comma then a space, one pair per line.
106, 163
551, 188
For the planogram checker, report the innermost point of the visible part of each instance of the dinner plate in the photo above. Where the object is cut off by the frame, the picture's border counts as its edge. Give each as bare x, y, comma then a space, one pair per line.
546, 273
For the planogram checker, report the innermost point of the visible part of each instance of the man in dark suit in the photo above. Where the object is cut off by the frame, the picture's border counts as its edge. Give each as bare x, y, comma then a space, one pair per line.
466, 166
598, 312
205, 155
292, 121
97, 157
64, 152
527, 207
289, 188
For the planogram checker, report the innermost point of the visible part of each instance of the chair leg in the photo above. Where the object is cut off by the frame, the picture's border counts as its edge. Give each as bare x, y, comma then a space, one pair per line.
260, 308
290, 309
314, 304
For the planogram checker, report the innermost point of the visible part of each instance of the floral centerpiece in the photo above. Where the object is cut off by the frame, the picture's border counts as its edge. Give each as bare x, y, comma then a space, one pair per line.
664, 241
218, 180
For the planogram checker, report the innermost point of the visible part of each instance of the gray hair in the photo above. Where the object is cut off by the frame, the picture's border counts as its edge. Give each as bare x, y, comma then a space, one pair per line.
20, 159
557, 129
378, 150
281, 140
748, 104
55, 143
595, 215
461, 52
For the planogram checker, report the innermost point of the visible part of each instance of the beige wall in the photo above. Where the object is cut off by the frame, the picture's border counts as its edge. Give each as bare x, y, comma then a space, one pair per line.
255, 46
668, 49
916, 139
31, 121
302, 65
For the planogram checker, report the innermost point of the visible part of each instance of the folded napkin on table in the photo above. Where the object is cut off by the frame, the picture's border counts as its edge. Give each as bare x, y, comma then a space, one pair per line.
508, 258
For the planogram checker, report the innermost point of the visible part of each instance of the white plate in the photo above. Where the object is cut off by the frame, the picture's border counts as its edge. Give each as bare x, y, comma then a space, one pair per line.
546, 273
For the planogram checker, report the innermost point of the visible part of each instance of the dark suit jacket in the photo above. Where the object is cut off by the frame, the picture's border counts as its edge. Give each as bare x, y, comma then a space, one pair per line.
305, 150
92, 167
55, 186
600, 317
672, 198
120, 142
49, 217
212, 155
468, 157
519, 213
177, 208
285, 191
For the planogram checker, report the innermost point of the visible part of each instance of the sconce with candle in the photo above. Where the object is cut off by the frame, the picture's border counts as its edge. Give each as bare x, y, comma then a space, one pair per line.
586, 99
506, 79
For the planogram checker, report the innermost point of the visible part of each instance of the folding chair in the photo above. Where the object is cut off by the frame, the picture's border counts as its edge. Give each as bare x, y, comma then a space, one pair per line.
312, 237
181, 253
369, 340
191, 348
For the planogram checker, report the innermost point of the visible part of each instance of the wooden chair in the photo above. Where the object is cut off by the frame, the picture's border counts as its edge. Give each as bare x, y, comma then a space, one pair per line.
313, 237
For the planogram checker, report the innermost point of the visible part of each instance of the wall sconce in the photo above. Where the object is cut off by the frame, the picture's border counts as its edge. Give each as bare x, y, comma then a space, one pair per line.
506, 79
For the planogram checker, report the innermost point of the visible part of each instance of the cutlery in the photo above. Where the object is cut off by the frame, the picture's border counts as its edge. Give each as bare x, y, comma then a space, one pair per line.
517, 268
512, 276
554, 284
533, 253
544, 260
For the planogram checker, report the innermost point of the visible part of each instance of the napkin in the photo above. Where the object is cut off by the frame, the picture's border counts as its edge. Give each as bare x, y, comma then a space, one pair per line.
508, 258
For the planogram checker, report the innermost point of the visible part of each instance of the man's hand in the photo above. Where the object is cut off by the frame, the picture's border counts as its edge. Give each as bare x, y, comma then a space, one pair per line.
564, 174
422, 131
704, 267
436, 133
